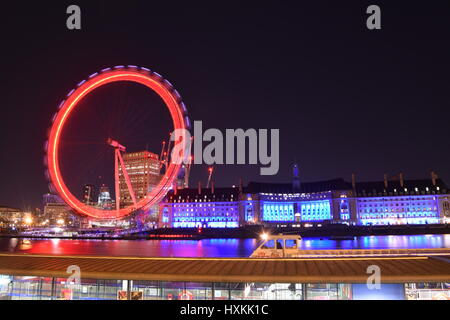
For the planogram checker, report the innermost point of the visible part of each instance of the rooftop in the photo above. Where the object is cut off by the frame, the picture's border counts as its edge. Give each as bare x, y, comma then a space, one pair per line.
305, 187
371, 188
317, 270
395, 186
225, 194
5, 209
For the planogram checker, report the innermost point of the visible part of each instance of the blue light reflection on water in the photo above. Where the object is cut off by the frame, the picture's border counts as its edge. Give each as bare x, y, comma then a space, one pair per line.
208, 247
380, 242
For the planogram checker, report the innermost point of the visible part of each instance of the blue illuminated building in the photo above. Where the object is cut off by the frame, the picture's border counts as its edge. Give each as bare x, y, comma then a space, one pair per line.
207, 208
397, 201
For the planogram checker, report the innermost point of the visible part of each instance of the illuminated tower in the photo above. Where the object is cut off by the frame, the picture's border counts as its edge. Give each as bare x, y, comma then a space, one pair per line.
143, 169
104, 197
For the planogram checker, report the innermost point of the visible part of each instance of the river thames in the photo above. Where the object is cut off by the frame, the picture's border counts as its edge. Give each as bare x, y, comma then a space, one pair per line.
207, 247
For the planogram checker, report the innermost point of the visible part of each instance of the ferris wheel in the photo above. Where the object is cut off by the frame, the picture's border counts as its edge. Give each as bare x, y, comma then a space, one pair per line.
180, 120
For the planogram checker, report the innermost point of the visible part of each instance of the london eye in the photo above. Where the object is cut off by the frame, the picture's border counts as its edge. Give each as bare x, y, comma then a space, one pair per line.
61, 120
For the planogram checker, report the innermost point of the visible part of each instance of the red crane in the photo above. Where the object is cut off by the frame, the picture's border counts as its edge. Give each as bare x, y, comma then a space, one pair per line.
210, 170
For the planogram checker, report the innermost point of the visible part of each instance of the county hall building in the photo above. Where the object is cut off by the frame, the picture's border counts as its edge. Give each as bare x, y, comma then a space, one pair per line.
398, 201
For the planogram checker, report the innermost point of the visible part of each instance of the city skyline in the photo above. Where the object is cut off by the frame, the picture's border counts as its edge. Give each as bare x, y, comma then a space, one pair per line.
343, 99
255, 157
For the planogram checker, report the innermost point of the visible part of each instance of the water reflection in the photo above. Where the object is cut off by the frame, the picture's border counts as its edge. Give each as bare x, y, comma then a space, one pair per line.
207, 247
380, 242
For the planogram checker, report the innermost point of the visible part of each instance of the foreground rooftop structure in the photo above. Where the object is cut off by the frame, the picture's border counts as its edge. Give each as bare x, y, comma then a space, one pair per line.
45, 277
318, 270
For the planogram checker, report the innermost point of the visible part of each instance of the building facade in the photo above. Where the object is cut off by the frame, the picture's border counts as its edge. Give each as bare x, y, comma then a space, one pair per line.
10, 217
397, 201
56, 212
209, 208
104, 198
52, 288
143, 169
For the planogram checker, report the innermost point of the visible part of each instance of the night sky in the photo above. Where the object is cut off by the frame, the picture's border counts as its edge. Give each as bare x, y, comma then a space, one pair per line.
346, 99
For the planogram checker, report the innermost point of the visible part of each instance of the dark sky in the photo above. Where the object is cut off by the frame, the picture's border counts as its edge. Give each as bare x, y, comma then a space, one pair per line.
345, 99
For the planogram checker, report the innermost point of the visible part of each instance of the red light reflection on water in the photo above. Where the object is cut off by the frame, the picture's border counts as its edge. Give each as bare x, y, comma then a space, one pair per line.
137, 248
205, 247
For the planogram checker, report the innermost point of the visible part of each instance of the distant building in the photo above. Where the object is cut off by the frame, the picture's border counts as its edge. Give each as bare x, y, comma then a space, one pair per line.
56, 212
190, 208
10, 217
50, 198
292, 204
182, 180
143, 169
104, 198
89, 194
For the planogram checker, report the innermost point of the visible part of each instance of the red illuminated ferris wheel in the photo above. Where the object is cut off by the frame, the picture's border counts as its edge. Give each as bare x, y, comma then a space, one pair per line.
179, 117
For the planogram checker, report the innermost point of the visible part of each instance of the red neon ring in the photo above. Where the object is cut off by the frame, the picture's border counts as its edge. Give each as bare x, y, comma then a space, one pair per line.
139, 75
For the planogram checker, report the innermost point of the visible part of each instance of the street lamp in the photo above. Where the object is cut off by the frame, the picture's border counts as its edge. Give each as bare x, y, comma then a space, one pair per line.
264, 236
28, 220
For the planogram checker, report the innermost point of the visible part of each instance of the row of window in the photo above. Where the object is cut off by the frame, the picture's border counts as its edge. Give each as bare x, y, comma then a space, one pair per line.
205, 205
427, 198
184, 214
399, 210
407, 215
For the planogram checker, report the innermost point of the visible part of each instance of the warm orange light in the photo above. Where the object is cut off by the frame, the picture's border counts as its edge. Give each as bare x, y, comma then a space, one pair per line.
28, 220
265, 236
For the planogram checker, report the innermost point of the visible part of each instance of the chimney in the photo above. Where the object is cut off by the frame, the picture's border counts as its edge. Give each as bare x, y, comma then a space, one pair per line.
199, 187
240, 185
385, 181
402, 182
353, 181
212, 187
434, 177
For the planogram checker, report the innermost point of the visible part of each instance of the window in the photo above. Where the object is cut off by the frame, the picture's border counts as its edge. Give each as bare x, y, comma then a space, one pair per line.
291, 244
270, 244
279, 244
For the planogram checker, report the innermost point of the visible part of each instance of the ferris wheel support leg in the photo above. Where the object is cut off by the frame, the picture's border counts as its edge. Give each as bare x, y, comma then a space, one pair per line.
116, 176
127, 178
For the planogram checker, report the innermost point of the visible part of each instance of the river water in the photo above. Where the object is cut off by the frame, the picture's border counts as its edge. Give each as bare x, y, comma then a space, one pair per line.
207, 247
